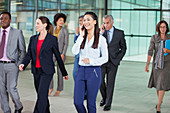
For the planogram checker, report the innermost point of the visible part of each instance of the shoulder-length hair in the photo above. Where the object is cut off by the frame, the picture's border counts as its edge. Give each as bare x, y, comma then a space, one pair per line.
96, 32
158, 26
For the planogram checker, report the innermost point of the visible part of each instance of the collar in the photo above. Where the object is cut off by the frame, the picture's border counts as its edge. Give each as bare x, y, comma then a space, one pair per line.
159, 37
7, 29
111, 30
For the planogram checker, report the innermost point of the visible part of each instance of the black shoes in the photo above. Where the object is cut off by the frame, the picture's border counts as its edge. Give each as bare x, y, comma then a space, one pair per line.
18, 111
102, 103
156, 109
106, 108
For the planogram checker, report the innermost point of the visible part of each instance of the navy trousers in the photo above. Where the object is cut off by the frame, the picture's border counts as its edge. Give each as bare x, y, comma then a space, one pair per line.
87, 79
41, 83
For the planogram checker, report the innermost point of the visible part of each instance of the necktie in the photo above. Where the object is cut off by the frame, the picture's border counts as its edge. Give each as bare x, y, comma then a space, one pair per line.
108, 36
2, 44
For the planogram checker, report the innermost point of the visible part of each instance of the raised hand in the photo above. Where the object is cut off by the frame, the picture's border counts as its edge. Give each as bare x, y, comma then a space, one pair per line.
102, 29
82, 31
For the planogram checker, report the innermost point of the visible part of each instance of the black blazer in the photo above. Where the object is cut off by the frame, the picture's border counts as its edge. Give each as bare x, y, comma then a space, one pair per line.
117, 46
48, 48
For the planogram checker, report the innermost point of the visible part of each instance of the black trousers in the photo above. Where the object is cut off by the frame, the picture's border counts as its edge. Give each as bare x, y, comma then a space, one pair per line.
41, 83
108, 71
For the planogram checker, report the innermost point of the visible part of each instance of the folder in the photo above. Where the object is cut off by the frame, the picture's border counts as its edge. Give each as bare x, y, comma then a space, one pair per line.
167, 46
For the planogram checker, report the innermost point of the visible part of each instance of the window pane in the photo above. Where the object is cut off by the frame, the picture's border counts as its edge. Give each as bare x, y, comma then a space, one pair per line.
23, 17
3, 5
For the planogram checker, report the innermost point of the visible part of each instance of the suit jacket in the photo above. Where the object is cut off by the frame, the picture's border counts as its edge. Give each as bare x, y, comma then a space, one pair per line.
16, 46
48, 48
154, 44
117, 46
63, 40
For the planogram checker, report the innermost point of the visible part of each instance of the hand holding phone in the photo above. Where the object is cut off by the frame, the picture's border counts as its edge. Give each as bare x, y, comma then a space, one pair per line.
82, 30
102, 28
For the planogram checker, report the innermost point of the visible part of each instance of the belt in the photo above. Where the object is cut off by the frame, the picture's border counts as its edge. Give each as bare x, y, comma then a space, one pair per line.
7, 62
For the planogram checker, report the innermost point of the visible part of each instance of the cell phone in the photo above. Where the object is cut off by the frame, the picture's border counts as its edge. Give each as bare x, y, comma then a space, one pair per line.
83, 28
103, 27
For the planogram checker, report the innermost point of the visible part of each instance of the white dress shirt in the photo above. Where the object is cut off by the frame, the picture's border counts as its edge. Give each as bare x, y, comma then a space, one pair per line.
111, 31
96, 56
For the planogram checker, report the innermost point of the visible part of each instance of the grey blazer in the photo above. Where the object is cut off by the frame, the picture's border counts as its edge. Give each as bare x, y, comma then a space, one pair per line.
154, 43
16, 49
63, 40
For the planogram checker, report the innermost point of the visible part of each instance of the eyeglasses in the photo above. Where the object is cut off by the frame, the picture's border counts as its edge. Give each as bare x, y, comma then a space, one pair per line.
162, 27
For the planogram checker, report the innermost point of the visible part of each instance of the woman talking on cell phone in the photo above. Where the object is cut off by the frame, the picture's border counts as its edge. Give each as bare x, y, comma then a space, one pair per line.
92, 48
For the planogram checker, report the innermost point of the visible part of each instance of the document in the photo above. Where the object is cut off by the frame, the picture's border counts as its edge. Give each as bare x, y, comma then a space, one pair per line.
167, 46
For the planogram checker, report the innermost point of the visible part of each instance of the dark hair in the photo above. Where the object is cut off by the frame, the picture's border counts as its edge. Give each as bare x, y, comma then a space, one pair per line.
59, 15
96, 32
82, 16
7, 14
49, 27
158, 26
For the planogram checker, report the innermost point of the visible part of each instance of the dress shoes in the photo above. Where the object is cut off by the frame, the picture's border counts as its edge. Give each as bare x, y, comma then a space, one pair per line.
156, 109
102, 103
18, 111
106, 108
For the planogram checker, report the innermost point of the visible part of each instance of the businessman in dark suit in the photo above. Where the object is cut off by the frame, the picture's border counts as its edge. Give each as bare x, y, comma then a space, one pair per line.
117, 49
12, 52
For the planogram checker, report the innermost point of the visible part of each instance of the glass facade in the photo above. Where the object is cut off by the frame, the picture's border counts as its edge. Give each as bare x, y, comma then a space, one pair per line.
138, 18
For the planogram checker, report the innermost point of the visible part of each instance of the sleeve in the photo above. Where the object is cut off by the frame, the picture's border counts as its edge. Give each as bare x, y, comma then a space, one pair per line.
104, 54
75, 37
58, 57
66, 36
76, 46
28, 56
122, 48
22, 48
151, 46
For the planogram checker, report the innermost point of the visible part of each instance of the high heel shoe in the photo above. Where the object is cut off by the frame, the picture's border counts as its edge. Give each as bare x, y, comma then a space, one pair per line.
156, 109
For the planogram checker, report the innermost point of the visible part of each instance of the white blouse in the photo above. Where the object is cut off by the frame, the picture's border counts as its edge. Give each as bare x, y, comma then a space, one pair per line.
96, 56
